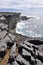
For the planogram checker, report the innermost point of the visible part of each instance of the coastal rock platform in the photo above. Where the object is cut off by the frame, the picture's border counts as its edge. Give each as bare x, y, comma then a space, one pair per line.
16, 49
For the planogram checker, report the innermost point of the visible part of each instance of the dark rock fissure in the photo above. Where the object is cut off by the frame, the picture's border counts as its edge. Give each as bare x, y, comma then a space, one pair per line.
20, 63
36, 42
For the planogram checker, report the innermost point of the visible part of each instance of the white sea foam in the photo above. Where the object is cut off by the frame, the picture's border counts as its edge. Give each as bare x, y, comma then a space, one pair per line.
32, 27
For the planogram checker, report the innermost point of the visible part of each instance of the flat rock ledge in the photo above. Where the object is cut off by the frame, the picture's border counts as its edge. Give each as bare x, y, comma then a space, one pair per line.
23, 50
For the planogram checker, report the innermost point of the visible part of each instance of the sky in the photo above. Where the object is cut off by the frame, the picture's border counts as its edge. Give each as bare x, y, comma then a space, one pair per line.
21, 5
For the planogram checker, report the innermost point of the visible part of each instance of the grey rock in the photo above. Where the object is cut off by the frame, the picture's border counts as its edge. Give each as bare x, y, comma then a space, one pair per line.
13, 51
2, 18
3, 47
21, 59
2, 34
15, 63
39, 62
3, 26
25, 46
12, 37
24, 52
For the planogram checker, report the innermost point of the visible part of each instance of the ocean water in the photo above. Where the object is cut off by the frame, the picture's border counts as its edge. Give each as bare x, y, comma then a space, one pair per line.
32, 27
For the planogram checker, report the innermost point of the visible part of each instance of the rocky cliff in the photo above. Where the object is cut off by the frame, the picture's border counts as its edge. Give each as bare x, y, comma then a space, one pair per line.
9, 18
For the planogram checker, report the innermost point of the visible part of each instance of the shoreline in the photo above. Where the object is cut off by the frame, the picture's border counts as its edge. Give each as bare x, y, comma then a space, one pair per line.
19, 49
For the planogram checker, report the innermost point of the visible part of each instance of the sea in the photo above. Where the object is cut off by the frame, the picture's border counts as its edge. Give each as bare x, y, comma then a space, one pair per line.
32, 27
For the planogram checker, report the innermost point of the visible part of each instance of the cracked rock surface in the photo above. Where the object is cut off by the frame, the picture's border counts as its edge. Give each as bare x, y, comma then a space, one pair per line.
27, 52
